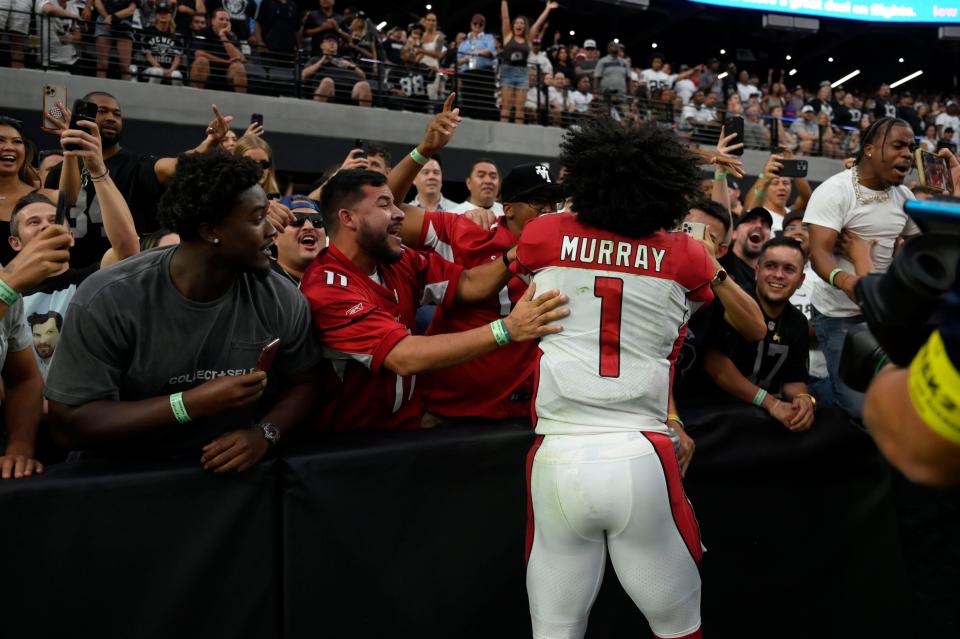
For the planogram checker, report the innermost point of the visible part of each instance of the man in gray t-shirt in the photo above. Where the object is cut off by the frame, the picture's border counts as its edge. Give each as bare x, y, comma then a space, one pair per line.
611, 74
131, 335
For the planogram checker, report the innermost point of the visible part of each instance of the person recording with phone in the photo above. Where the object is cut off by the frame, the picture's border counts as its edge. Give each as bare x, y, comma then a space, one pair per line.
772, 190
127, 383
35, 213
912, 411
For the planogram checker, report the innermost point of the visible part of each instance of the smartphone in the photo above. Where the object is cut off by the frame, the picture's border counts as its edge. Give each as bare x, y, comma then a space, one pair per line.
793, 168
273, 195
733, 126
62, 209
81, 111
267, 355
697, 230
52, 93
256, 117
934, 173
362, 145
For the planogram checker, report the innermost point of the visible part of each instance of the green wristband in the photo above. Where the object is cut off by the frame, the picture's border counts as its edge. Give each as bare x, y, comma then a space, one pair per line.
179, 410
759, 397
500, 334
7, 295
418, 157
833, 276
719, 176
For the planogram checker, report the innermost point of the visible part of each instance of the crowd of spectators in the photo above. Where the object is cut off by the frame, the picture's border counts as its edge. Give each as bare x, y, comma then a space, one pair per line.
384, 319
521, 72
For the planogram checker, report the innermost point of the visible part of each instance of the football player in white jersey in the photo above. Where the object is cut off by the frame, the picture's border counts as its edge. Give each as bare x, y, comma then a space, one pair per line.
603, 473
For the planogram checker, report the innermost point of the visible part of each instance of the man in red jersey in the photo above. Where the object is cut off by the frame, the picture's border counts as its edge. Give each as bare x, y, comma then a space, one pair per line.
364, 289
497, 385
603, 473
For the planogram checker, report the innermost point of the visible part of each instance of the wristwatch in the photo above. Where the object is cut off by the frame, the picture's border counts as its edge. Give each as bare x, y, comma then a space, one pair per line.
719, 278
270, 432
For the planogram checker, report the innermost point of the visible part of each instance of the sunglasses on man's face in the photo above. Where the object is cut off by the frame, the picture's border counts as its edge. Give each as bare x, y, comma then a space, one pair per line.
301, 218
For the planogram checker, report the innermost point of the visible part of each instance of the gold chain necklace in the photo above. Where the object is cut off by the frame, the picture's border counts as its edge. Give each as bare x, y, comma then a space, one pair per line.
879, 197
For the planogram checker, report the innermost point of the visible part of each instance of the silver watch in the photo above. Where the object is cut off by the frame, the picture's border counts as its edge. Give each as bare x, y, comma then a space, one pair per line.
270, 432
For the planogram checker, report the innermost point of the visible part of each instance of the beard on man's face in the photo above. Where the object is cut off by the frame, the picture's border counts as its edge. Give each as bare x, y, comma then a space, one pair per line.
377, 245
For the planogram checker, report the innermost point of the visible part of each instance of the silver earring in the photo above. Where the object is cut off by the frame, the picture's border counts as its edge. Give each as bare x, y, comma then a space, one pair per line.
216, 240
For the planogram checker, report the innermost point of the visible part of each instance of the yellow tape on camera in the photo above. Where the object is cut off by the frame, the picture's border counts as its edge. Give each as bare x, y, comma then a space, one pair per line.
935, 388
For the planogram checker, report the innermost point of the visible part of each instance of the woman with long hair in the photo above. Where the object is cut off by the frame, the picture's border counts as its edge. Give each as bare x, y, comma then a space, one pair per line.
17, 177
433, 46
256, 148
514, 81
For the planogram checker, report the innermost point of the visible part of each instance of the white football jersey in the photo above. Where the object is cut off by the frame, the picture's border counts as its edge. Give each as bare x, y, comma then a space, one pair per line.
611, 367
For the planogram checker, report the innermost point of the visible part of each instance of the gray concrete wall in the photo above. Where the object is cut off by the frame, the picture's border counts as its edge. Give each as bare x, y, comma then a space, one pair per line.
307, 135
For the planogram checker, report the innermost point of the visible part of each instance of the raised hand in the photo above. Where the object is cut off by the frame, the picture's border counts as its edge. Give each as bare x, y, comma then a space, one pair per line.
90, 150
441, 127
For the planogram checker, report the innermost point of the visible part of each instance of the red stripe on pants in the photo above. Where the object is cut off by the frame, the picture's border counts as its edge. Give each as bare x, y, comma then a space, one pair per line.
530, 455
682, 511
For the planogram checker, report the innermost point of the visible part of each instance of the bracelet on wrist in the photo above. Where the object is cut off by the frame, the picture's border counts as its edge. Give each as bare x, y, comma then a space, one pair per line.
833, 277
500, 334
418, 157
673, 417
101, 177
179, 410
8, 295
759, 397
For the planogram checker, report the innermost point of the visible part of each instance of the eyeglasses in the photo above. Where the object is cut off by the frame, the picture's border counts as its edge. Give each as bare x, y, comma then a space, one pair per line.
301, 218
544, 205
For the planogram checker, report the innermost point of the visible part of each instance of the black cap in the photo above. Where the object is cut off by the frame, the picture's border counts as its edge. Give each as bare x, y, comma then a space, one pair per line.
792, 216
164, 7
529, 180
732, 183
753, 214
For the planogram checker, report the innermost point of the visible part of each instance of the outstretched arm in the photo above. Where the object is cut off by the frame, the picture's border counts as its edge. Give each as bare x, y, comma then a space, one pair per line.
542, 20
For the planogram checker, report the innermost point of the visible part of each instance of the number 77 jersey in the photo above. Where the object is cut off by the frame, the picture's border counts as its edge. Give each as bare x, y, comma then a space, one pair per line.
630, 298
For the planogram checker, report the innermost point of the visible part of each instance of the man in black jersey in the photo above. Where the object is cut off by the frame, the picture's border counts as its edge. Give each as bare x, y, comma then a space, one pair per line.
770, 374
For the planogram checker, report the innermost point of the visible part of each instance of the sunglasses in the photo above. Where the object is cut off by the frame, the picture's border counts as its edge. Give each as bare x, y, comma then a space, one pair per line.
301, 218
479, 24
264, 164
544, 205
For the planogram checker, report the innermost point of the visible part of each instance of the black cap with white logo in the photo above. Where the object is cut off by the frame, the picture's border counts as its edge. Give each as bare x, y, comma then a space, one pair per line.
530, 181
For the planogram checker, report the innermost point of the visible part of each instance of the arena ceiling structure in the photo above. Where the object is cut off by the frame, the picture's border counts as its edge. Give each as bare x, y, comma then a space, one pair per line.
895, 39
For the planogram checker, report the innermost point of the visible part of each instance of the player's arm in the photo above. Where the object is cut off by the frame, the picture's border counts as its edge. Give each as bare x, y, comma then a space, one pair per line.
739, 309
530, 319
439, 132
480, 282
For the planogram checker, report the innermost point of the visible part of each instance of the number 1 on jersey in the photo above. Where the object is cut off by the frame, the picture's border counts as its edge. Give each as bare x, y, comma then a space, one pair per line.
610, 292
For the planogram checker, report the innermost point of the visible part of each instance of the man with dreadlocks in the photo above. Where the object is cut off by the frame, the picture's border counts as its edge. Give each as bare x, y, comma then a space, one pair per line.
859, 207
603, 473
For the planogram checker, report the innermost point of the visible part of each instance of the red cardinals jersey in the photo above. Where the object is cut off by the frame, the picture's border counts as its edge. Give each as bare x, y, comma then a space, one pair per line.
359, 321
611, 367
498, 384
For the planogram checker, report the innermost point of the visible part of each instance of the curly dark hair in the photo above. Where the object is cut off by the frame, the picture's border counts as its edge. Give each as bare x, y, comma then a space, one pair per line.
204, 189
631, 181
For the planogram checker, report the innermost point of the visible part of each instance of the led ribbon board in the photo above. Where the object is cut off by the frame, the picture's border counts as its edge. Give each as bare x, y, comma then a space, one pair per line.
871, 11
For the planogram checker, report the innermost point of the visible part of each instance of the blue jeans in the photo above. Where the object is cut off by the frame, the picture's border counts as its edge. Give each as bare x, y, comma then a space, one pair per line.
831, 332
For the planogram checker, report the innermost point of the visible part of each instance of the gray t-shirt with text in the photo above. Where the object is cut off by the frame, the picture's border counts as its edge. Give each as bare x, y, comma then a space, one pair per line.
130, 335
